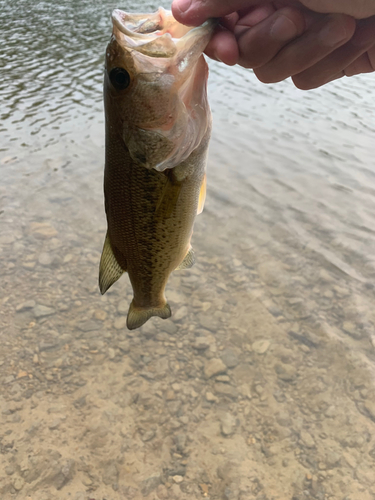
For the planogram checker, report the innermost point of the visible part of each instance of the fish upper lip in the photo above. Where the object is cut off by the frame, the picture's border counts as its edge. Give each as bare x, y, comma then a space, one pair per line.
138, 39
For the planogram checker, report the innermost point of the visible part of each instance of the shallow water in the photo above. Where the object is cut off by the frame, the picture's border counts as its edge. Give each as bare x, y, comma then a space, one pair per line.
261, 386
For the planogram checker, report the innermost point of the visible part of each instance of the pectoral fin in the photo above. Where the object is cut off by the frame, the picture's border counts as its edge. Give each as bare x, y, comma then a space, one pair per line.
168, 198
202, 195
109, 269
188, 261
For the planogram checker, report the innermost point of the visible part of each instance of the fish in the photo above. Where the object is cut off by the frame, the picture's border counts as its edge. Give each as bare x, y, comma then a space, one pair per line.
157, 132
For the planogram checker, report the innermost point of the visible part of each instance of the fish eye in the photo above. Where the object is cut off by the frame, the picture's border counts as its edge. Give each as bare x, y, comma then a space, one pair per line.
120, 78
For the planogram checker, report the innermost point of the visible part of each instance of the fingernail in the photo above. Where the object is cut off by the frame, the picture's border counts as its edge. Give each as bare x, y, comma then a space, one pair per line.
182, 5
283, 29
333, 34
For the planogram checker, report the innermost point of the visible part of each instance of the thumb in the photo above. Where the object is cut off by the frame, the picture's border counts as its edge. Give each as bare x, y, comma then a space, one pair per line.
357, 8
195, 12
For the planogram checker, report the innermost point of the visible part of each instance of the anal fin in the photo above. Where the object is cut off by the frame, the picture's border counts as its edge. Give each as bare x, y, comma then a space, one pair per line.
138, 316
188, 261
109, 270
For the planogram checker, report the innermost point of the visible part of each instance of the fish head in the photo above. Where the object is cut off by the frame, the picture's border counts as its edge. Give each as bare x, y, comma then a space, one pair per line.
155, 87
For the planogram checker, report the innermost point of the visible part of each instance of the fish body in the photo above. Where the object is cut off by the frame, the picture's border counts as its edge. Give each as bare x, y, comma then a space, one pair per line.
158, 126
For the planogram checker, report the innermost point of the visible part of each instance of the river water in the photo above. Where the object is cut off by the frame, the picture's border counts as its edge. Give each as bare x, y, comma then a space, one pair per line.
261, 385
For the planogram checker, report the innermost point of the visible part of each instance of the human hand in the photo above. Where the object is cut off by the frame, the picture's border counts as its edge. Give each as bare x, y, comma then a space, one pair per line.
284, 38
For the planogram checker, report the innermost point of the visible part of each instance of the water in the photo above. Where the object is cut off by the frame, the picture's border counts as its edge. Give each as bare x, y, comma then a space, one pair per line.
282, 292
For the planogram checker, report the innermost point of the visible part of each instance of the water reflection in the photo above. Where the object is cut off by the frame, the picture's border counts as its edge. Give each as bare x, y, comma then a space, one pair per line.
261, 386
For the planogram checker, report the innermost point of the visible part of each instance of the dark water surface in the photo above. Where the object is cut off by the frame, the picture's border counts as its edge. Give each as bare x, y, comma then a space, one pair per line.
261, 386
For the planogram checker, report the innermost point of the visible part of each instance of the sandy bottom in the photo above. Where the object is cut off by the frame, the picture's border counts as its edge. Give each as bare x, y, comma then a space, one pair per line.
232, 399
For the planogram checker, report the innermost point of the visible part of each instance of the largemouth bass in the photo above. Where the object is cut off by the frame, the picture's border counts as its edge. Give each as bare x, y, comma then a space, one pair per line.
158, 126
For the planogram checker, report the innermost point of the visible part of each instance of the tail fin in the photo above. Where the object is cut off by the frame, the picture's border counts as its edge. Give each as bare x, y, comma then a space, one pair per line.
138, 317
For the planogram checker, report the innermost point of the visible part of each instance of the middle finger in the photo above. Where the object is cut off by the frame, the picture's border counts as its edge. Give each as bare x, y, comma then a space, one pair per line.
326, 35
260, 43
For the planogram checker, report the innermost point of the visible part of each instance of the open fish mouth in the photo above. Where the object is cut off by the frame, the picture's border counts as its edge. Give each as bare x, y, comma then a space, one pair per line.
159, 34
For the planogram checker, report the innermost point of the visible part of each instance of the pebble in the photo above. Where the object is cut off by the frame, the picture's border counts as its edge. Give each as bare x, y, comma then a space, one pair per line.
332, 458
180, 313
201, 343
352, 330
178, 479
211, 398
43, 230
28, 265
6, 239
45, 259
206, 321
10, 469
123, 307
307, 439
331, 411
170, 395
18, 483
245, 390
230, 358
259, 389
260, 346
149, 330
88, 326
25, 306
214, 367
227, 424
148, 435
100, 314
127, 367
286, 372
226, 390
55, 424
162, 492
41, 311
169, 327
68, 257
120, 323
124, 346
49, 343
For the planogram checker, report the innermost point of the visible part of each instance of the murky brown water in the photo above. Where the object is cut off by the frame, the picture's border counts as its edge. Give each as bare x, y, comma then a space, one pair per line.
261, 386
